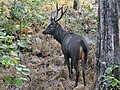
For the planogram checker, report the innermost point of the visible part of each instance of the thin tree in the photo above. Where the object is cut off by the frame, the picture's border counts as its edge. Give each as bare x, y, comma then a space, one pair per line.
75, 4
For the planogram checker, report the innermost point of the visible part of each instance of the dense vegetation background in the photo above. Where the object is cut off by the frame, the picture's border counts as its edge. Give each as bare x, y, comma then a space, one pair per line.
30, 60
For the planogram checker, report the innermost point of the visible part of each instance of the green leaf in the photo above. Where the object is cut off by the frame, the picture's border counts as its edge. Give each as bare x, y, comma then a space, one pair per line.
7, 63
110, 77
10, 41
25, 72
12, 12
14, 61
8, 79
17, 27
109, 70
24, 79
13, 47
3, 46
114, 82
1, 51
17, 72
38, 40
14, 53
22, 43
26, 69
19, 83
23, 66
18, 68
93, 30
6, 58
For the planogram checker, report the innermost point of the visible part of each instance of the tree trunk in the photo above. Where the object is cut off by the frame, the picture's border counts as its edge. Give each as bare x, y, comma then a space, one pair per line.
75, 5
107, 50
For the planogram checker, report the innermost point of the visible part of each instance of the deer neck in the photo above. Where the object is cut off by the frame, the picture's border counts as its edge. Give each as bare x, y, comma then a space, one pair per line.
60, 34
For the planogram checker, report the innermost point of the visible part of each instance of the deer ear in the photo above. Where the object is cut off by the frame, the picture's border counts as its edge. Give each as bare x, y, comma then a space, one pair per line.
52, 20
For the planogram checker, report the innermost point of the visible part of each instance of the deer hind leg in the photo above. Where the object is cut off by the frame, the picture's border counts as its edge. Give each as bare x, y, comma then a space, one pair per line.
76, 72
83, 75
83, 57
68, 65
71, 69
84, 67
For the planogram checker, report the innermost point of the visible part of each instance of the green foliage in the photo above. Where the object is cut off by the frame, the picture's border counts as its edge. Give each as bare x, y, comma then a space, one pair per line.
13, 80
113, 81
22, 43
13, 27
85, 18
13, 33
19, 82
21, 69
7, 61
109, 70
110, 80
7, 47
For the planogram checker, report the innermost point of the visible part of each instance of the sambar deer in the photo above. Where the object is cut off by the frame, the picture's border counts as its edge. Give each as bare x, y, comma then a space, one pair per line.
73, 46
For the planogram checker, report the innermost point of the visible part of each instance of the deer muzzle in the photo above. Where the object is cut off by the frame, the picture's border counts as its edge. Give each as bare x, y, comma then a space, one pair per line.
44, 32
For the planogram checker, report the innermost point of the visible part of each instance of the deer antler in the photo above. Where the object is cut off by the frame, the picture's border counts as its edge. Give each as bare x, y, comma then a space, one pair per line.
57, 11
62, 13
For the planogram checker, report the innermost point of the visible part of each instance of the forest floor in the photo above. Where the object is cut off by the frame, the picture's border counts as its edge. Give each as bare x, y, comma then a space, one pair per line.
48, 71
46, 63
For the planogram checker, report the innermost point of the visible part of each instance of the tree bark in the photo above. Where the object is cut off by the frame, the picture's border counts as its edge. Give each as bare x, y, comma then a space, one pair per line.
107, 50
75, 5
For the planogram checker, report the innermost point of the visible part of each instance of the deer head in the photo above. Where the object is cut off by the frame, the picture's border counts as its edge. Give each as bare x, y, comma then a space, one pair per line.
54, 25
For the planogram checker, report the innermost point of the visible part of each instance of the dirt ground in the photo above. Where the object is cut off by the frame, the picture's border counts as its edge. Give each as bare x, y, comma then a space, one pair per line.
48, 72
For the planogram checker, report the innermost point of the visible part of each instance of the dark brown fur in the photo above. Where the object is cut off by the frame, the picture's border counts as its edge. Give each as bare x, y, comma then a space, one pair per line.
73, 46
